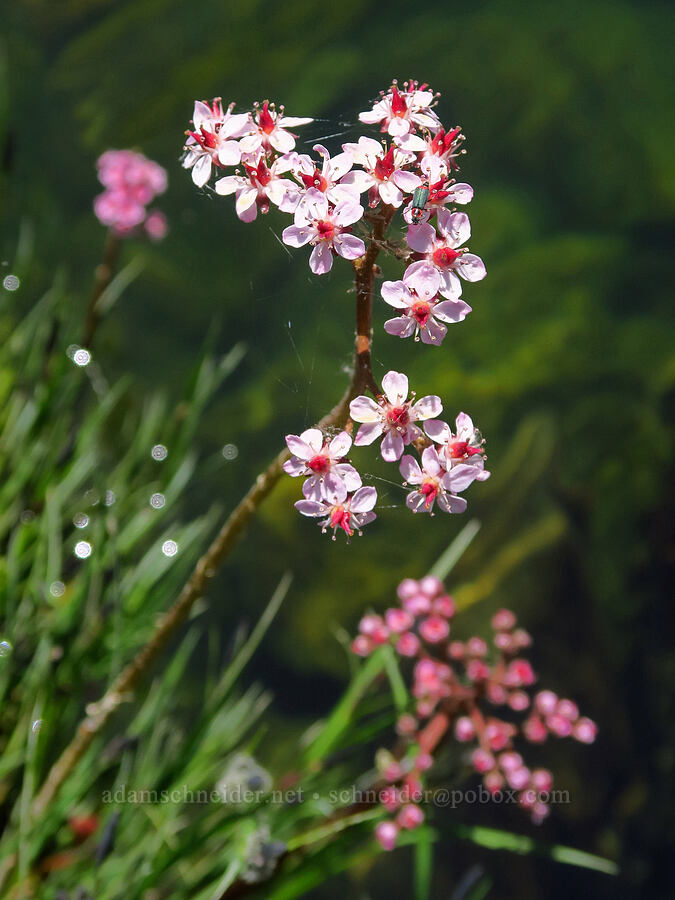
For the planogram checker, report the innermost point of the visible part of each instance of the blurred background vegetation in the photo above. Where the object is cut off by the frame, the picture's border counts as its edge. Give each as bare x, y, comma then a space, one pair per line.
566, 362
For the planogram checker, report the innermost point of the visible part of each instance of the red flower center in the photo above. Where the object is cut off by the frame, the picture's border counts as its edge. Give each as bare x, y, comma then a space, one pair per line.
384, 167
315, 180
398, 105
326, 230
429, 489
319, 463
262, 174
398, 416
444, 257
421, 312
265, 120
341, 518
460, 449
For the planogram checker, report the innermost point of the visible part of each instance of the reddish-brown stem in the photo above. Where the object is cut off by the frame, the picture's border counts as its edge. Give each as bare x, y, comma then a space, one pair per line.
126, 682
103, 275
364, 269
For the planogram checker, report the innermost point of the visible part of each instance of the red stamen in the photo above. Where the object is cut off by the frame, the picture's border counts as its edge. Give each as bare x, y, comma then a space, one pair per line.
398, 105
444, 257
265, 120
326, 230
384, 167
421, 312
319, 463
398, 416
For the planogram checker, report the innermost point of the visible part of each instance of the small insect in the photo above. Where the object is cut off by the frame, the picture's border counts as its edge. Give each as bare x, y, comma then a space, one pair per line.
419, 202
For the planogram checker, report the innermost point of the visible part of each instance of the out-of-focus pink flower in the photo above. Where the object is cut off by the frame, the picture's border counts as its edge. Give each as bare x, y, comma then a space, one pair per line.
394, 416
156, 225
132, 181
386, 834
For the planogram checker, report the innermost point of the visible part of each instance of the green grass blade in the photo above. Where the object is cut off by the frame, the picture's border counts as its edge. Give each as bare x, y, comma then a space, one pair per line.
451, 556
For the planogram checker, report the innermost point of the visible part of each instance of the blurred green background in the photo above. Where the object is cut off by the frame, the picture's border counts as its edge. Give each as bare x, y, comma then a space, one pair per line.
566, 362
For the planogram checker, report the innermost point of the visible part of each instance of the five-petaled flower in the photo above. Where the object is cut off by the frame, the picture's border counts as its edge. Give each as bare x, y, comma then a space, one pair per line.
466, 446
318, 460
444, 250
383, 175
269, 129
436, 154
422, 310
325, 229
328, 180
212, 142
394, 416
263, 184
435, 484
399, 112
343, 512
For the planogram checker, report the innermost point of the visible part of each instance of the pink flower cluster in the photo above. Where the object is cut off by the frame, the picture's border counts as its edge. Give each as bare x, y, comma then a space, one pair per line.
131, 182
410, 169
332, 489
457, 685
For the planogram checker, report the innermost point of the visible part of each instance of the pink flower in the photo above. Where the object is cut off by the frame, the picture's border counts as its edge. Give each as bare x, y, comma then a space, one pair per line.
261, 186
269, 129
546, 702
394, 416
131, 181
325, 229
348, 513
441, 194
585, 730
318, 461
384, 176
408, 644
417, 296
386, 834
435, 484
410, 816
398, 620
328, 180
444, 250
464, 730
156, 225
466, 447
402, 111
436, 155
212, 142
482, 760
434, 629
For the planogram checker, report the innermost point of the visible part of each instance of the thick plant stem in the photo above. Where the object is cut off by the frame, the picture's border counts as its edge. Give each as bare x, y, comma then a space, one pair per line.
102, 278
124, 685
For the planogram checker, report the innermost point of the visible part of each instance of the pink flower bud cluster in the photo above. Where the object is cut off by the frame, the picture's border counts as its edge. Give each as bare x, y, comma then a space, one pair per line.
410, 169
131, 182
456, 685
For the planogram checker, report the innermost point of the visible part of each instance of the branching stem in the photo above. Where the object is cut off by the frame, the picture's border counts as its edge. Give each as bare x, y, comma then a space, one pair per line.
124, 685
